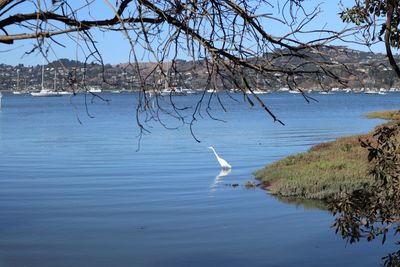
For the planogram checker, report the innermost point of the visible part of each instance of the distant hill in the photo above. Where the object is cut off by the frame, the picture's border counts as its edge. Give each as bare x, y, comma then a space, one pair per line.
357, 69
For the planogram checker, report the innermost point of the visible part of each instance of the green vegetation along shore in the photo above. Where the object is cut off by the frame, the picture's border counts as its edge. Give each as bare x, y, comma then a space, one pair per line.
326, 170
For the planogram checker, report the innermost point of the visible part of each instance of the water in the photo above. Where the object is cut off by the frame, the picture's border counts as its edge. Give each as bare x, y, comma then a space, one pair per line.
80, 195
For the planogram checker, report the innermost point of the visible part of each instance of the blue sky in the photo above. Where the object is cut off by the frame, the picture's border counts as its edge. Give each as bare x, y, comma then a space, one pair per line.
115, 48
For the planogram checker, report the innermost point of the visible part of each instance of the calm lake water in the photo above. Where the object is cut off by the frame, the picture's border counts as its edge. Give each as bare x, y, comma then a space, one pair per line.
80, 195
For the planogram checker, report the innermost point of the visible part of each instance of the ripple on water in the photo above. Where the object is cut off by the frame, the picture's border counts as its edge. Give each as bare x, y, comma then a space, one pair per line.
74, 194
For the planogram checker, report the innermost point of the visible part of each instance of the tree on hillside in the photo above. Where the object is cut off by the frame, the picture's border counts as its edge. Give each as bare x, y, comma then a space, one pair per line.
235, 41
380, 22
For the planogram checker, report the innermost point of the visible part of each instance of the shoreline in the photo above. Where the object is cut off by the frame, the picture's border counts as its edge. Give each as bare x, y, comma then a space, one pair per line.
326, 170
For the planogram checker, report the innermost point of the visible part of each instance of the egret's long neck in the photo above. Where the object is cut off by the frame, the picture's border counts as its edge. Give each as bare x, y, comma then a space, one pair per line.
215, 153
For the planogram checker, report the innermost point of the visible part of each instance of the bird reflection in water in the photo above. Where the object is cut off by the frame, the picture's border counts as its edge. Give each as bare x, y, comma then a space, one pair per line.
217, 179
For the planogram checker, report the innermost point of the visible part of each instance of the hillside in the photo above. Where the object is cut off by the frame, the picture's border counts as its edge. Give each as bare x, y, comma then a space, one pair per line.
357, 69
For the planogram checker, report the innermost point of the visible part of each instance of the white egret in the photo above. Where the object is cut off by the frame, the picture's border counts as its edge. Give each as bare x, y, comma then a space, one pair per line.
224, 164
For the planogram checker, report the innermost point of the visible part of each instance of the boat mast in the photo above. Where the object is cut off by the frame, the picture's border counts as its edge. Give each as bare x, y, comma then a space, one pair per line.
166, 78
55, 80
17, 79
42, 76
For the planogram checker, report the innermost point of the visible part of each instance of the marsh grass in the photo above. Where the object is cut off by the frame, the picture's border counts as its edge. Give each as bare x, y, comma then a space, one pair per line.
325, 171
321, 173
393, 115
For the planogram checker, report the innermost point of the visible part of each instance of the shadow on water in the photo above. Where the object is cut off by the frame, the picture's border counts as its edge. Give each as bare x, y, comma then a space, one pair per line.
217, 179
370, 213
307, 204
365, 214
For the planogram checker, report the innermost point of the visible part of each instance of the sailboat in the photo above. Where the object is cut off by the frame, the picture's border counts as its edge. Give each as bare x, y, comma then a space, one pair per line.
17, 90
47, 92
176, 91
